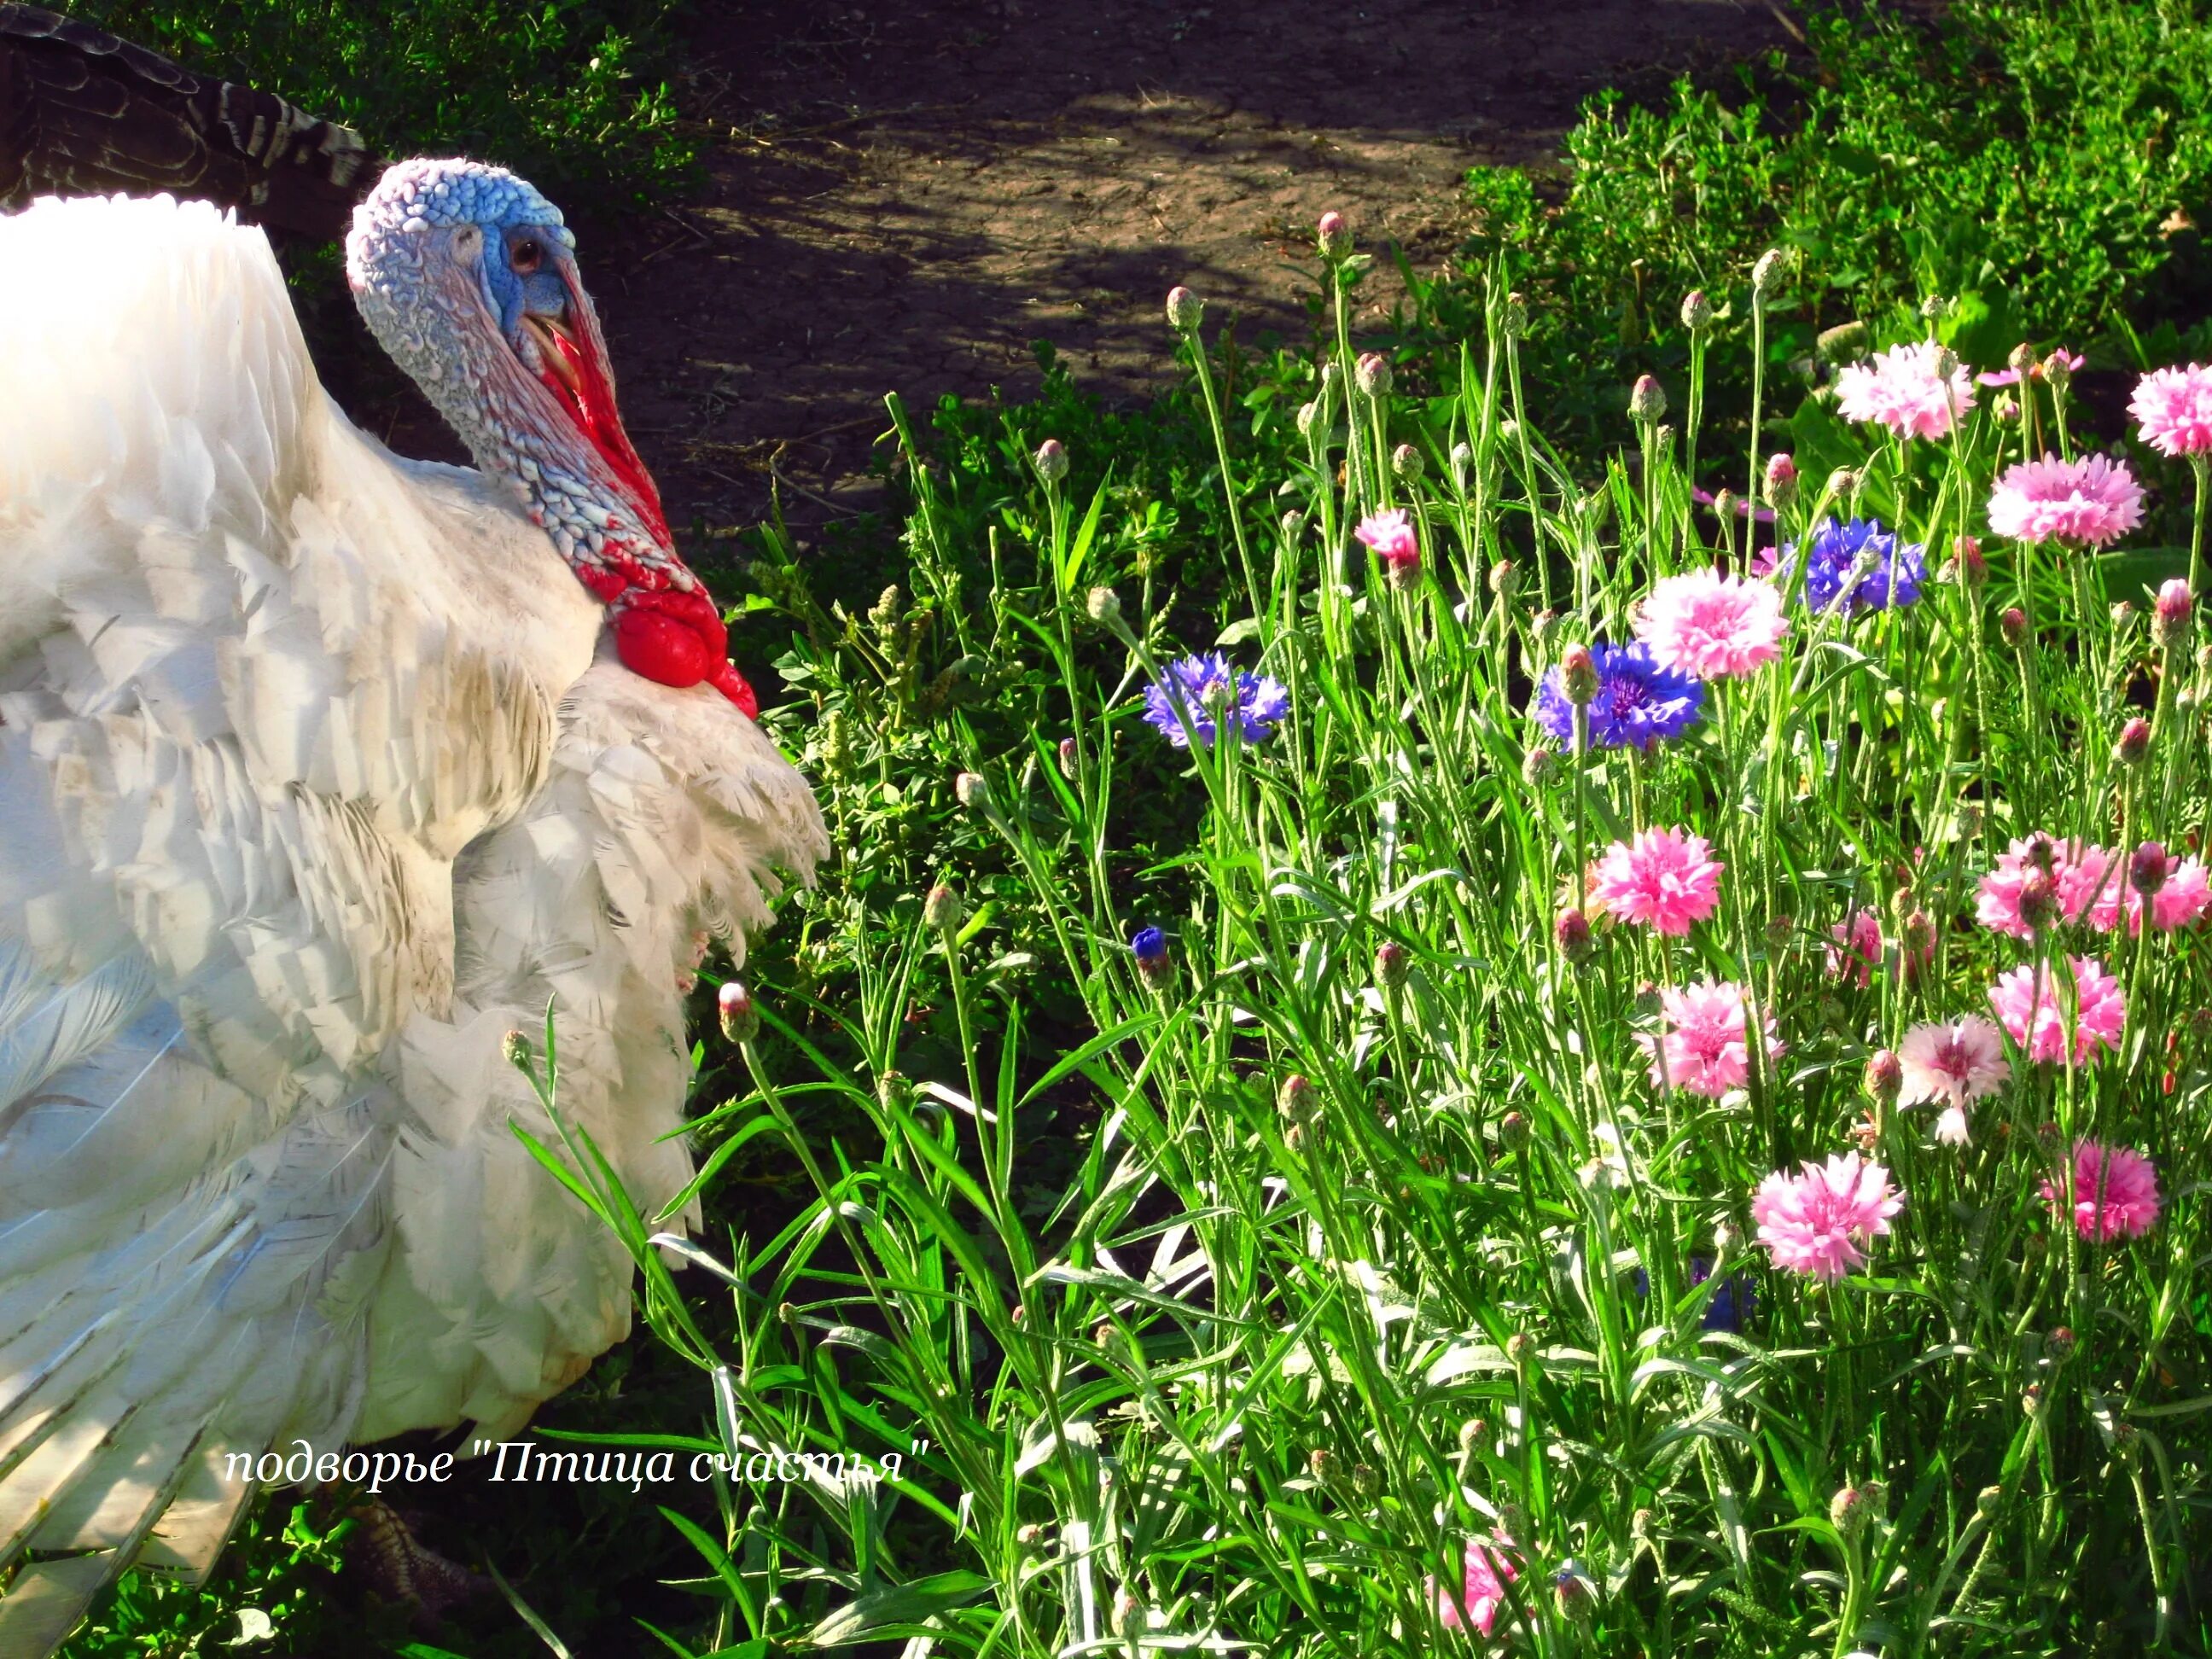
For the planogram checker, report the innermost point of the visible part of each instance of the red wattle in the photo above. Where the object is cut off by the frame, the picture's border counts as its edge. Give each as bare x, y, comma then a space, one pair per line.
677, 638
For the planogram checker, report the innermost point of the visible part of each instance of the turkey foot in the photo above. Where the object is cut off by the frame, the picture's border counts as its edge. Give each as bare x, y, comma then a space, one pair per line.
403, 1571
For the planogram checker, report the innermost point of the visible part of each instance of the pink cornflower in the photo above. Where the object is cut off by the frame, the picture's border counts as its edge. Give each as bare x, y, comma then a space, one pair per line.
1711, 626
1857, 950
1665, 878
2115, 1192
1483, 1594
1901, 388
2173, 407
1952, 1064
1820, 1221
2032, 1014
2081, 873
1391, 535
2180, 903
2086, 503
1703, 1049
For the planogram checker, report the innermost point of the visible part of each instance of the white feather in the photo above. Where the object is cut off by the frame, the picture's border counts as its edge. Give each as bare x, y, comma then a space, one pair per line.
316, 778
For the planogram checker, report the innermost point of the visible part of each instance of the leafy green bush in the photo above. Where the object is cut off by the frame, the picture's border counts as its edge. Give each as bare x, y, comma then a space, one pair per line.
2041, 162
570, 93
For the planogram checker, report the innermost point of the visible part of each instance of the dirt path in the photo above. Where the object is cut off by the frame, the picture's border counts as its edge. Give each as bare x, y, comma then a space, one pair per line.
907, 195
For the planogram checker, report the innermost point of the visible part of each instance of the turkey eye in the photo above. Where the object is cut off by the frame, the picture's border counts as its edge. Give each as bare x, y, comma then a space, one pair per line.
525, 255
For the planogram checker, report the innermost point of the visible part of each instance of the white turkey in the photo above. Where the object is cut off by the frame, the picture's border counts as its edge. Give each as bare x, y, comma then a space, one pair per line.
320, 771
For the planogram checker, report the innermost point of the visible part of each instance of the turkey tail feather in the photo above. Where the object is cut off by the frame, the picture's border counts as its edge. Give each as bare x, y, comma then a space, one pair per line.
82, 114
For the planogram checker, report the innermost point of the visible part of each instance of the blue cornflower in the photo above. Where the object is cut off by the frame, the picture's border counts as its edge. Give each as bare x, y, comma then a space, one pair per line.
1209, 686
1148, 944
1892, 571
1732, 1303
1637, 702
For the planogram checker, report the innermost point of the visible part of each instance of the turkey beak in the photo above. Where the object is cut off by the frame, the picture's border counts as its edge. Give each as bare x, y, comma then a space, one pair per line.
556, 346
576, 373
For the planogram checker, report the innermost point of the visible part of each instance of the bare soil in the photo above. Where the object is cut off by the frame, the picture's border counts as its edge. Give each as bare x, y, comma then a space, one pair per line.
906, 195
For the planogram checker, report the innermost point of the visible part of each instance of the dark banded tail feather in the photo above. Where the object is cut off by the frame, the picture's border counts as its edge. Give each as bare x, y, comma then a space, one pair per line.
85, 113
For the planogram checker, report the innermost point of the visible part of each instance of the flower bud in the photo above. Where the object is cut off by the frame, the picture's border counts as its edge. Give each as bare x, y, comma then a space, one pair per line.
1849, 1511
1104, 606
2123, 614
2013, 626
2006, 408
2148, 869
942, 911
1307, 414
1505, 580
741, 1020
516, 1048
1293, 521
1030, 1536
1578, 675
971, 791
1767, 273
1372, 372
1947, 363
1406, 461
1779, 929
1334, 235
2030, 1400
1781, 479
1724, 505
1986, 1501
1545, 625
1513, 1132
1520, 1348
1150, 946
2022, 359
1515, 316
1471, 1434
1298, 1099
1365, 1481
1051, 460
2169, 614
1917, 933
1536, 766
1648, 401
1462, 462
1392, 964
1934, 307
1326, 1466
2059, 1345
1696, 310
1728, 1239
1067, 758
2058, 369
2133, 743
1184, 310
2039, 900
1884, 1077
1846, 342
1844, 483
1572, 931
1966, 560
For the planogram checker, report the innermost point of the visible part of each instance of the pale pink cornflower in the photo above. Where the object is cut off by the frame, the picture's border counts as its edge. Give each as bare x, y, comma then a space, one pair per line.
1481, 1595
2032, 1014
2080, 874
1702, 1047
2115, 1192
2181, 902
1952, 1064
1951, 1127
1391, 535
1711, 626
1856, 952
1665, 879
1903, 390
2174, 408
2085, 502
1819, 1221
